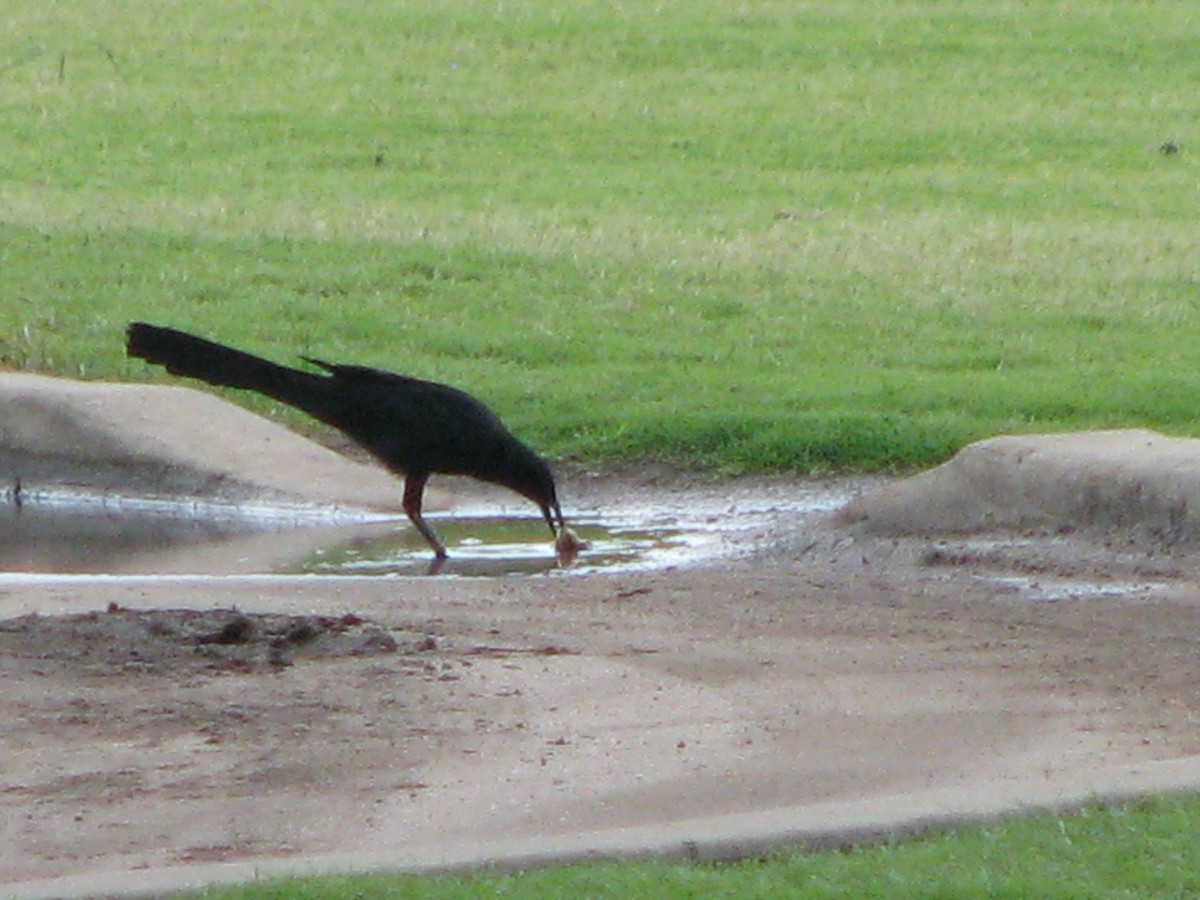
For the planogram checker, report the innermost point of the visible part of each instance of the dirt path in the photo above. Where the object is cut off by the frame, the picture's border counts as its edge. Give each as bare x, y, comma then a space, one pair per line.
822, 682
552, 708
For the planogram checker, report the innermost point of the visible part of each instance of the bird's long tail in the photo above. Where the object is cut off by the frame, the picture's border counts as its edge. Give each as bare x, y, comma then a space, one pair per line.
184, 354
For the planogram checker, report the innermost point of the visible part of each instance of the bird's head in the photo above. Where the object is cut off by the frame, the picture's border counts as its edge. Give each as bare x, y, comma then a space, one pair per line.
529, 475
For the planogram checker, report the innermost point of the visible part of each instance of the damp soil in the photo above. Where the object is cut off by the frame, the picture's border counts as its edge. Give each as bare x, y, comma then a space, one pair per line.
159, 724
727, 648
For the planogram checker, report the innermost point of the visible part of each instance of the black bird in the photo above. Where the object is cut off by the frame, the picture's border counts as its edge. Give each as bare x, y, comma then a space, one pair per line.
414, 427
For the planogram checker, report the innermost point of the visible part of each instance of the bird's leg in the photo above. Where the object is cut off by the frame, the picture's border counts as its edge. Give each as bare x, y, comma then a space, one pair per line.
414, 490
550, 519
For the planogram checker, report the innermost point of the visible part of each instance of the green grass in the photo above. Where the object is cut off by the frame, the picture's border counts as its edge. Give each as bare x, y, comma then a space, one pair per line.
1143, 849
744, 236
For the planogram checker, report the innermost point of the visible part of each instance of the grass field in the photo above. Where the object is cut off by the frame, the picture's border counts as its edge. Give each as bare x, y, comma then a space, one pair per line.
742, 236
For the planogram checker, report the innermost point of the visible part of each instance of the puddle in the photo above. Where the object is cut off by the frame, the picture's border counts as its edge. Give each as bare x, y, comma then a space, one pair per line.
488, 546
664, 532
63, 533
1051, 590
1045, 570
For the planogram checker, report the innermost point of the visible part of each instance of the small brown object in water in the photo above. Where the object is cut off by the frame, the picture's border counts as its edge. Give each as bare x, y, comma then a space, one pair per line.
568, 545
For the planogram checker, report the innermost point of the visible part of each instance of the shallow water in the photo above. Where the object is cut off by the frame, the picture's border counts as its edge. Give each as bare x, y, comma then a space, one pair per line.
1043, 589
57, 535
67, 533
482, 545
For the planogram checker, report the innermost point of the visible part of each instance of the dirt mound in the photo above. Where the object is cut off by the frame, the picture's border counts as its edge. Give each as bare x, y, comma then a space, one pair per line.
132, 641
169, 440
1138, 484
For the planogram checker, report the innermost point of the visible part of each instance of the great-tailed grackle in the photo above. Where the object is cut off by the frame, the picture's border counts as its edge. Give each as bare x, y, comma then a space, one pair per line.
415, 428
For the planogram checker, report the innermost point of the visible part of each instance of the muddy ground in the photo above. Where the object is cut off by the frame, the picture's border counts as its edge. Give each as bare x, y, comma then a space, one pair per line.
811, 678
417, 719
